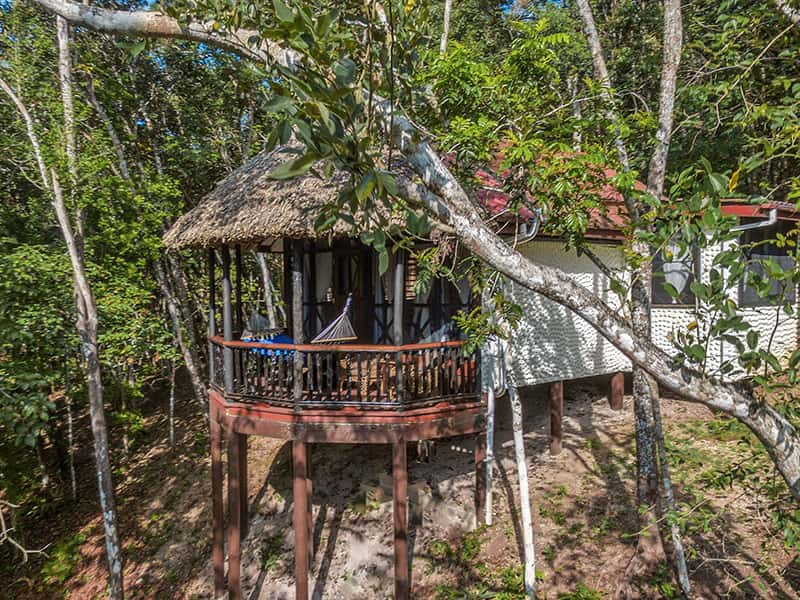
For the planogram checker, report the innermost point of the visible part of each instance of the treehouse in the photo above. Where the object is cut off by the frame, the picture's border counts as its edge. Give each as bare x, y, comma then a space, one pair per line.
361, 357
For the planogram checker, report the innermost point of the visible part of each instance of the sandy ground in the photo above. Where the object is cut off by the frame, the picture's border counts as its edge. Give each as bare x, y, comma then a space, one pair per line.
583, 504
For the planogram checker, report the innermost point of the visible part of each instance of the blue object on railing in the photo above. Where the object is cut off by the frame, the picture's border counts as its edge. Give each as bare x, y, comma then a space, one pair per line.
280, 338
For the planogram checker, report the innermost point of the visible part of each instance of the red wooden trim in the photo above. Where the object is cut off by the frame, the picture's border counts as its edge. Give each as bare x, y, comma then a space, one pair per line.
341, 348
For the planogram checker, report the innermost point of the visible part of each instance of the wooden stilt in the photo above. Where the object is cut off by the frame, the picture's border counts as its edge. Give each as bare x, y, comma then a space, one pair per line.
243, 500
400, 511
480, 477
309, 490
556, 416
616, 390
299, 464
218, 531
235, 517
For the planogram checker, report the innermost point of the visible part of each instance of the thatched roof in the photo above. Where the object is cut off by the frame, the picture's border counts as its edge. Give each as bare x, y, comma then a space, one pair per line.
249, 208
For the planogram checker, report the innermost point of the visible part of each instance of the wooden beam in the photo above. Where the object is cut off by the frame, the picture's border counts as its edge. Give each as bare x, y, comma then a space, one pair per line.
234, 518
480, 477
239, 309
616, 390
400, 512
556, 416
227, 319
309, 494
218, 528
244, 506
212, 311
299, 473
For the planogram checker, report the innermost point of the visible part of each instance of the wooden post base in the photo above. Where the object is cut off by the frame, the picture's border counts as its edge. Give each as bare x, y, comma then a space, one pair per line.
300, 486
400, 512
556, 416
616, 390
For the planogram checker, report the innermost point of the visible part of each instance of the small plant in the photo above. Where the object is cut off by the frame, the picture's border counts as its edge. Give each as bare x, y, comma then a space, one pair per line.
441, 550
471, 546
271, 552
63, 559
582, 592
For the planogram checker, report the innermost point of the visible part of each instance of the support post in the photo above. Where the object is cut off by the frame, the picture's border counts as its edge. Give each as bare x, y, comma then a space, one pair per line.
239, 309
299, 474
480, 477
309, 492
297, 321
524, 493
243, 500
234, 518
400, 512
616, 390
218, 531
212, 311
556, 416
399, 298
490, 406
227, 319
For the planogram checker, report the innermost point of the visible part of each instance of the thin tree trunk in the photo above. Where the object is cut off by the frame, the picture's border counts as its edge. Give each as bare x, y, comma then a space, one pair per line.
122, 163
171, 403
70, 435
524, 494
177, 330
87, 330
268, 289
448, 5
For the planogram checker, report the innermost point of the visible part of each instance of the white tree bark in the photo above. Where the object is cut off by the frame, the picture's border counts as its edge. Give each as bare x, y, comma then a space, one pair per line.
441, 193
86, 324
524, 493
793, 14
448, 5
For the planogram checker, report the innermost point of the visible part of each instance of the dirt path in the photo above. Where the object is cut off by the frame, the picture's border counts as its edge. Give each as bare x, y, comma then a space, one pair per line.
585, 517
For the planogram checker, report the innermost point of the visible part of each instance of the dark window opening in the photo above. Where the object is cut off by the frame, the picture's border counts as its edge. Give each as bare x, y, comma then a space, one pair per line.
759, 246
678, 270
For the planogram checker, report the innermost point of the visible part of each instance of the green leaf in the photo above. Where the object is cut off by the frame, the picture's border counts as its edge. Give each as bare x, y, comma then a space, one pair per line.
344, 70
279, 104
365, 186
283, 12
293, 168
383, 261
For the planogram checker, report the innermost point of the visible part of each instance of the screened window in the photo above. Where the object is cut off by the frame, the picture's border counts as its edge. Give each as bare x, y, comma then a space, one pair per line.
676, 269
759, 246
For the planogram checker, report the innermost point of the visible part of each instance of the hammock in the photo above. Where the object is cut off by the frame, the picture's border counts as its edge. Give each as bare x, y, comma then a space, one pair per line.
340, 330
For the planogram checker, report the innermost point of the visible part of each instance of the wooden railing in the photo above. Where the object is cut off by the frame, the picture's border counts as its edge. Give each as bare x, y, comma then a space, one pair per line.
332, 376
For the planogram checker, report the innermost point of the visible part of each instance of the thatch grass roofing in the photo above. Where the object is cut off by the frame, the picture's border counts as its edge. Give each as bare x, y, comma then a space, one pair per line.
250, 208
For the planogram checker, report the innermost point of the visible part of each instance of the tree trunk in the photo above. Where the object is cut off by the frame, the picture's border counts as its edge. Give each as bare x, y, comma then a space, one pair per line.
268, 289
448, 5
198, 386
529, 557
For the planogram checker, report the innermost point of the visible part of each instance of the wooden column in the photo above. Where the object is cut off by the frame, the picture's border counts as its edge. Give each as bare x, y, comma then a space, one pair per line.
480, 478
400, 512
212, 311
301, 539
227, 319
239, 309
234, 517
616, 390
556, 416
243, 500
218, 530
309, 491
297, 319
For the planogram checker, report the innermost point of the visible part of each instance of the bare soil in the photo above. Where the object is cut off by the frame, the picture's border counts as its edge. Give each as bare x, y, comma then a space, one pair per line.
583, 501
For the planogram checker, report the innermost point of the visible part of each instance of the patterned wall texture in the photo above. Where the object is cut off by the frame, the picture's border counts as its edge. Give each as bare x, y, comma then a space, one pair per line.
553, 344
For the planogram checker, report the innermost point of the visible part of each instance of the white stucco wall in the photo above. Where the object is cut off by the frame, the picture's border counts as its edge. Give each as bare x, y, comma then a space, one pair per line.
553, 344
667, 321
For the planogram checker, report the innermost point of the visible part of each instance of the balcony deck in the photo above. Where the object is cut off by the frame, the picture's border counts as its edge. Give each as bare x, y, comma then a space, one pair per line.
345, 376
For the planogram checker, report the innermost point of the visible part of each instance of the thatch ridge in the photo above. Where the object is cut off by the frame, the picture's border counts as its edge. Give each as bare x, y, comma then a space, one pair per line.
249, 208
